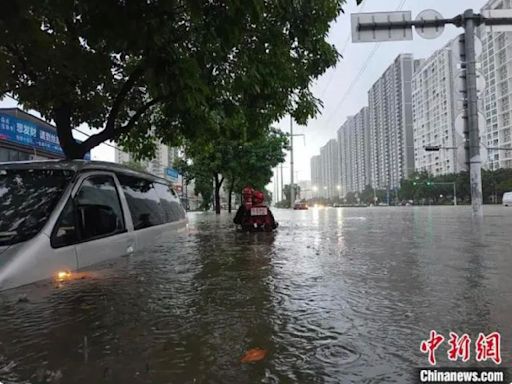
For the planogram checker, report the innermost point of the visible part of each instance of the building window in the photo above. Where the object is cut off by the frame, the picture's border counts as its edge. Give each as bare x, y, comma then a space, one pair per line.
13, 155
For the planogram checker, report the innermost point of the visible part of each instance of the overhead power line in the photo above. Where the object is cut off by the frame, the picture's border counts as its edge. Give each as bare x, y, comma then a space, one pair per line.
342, 53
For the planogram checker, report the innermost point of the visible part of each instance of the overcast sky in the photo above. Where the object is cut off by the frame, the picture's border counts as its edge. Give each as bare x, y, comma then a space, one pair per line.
343, 89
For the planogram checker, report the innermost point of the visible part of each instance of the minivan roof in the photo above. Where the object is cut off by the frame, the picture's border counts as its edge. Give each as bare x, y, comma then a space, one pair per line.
80, 166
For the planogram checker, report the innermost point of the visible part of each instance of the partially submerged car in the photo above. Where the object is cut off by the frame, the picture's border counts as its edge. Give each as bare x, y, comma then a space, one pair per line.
59, 216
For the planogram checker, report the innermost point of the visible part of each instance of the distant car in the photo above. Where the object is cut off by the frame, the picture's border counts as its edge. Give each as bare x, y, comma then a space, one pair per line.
300, 206
507, 199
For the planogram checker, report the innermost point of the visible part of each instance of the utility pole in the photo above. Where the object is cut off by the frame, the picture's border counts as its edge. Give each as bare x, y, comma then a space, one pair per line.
292, 188
394, 26
282, 190
276, 185
475, 163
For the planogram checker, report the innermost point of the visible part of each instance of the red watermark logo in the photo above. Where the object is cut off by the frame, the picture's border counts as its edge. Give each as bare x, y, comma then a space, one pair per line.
487, 347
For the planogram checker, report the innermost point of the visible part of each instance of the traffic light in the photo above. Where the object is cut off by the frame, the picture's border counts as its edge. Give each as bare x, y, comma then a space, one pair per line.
432, 148
414, 183
429, 183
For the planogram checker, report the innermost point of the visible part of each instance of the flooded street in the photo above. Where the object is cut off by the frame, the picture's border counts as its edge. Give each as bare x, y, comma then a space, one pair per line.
334, 296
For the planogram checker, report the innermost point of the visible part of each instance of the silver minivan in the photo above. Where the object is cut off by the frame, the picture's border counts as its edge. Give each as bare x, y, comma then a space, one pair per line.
57, 217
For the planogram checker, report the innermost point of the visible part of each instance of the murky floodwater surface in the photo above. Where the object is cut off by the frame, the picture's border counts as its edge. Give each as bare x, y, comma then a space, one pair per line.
334, 296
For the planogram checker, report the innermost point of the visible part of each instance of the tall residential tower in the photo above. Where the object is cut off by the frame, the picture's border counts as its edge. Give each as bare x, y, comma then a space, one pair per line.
390, 115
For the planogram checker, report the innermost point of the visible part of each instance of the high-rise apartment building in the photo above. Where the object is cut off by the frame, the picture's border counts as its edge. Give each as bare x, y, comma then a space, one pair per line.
330, 169
363, 150
324, 163
163, 159
316, 173
354, 153
345, 155
390, 115
437, 101
496, 62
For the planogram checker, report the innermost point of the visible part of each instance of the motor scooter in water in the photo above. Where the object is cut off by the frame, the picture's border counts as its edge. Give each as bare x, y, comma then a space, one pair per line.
254, 215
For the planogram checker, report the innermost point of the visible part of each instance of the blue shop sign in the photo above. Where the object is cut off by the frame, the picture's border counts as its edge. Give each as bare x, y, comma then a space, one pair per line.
24, 132
172, 173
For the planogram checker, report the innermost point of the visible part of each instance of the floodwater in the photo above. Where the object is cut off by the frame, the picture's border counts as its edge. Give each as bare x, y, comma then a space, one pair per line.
334, 296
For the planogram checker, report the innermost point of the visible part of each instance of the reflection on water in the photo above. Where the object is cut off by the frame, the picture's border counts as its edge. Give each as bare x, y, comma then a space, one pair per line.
336, 295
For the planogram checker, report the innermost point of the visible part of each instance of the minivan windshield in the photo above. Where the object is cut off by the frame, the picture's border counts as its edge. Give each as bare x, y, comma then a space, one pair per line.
27, 198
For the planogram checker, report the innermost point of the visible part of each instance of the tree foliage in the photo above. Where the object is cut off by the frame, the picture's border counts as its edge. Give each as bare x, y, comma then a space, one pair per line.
236, 161
423, 187
139, 71
201, 175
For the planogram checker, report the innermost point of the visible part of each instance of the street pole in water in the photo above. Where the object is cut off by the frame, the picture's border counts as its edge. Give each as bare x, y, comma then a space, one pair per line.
475, 163
276, 187
282, 190
292, 189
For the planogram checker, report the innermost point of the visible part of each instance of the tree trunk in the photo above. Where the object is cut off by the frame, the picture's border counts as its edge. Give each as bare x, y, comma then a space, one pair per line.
231, 187
71, 148
218, 185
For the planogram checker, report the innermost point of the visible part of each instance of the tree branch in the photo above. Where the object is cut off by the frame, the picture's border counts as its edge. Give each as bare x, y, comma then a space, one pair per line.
121, 96
106, 134
133, 120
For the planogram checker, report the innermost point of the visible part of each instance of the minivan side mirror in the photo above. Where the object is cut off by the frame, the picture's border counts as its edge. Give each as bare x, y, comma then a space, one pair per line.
97, 220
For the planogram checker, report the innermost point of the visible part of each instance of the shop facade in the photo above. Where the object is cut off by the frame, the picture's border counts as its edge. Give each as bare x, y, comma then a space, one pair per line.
26, 137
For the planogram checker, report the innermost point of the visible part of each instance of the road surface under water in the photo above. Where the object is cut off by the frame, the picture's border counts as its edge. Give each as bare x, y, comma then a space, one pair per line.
334, 296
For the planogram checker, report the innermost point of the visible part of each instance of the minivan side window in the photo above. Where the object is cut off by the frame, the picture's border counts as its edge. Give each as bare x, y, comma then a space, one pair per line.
66, 230
170, 205
143, 201
95, 212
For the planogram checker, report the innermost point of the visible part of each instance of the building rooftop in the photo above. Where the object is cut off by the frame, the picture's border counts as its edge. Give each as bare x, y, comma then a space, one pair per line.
21, 114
